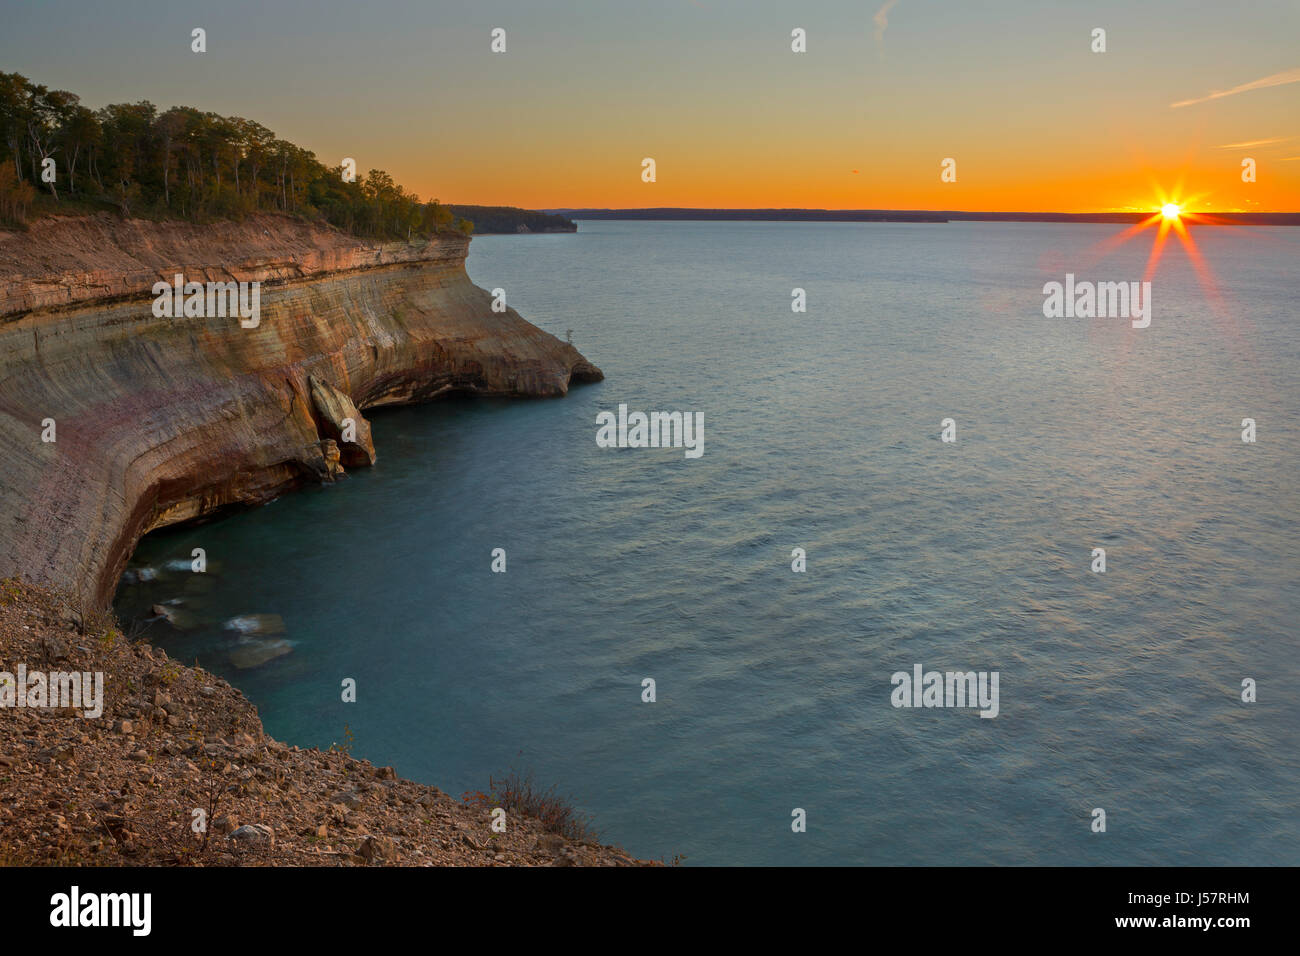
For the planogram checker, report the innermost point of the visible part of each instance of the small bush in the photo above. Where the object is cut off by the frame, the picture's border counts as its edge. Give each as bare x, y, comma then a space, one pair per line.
518, 793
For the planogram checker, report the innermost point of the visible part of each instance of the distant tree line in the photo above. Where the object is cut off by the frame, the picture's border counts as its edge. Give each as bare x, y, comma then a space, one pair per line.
512, 219
183, 163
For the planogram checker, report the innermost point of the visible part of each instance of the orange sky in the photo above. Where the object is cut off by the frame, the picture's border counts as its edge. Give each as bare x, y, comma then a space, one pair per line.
711, 89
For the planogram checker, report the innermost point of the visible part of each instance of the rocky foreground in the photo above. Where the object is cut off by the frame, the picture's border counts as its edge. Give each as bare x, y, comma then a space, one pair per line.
121, 789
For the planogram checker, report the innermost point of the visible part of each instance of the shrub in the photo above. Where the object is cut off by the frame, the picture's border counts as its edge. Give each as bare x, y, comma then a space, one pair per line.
517, 793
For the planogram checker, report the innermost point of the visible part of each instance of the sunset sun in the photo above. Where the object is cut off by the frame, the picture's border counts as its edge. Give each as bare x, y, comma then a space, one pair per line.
1170, 210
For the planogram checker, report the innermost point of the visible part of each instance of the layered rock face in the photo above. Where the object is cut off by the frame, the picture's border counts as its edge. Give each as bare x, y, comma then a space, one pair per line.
161, 420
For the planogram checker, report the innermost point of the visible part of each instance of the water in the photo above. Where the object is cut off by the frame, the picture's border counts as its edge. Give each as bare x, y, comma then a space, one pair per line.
1118, 690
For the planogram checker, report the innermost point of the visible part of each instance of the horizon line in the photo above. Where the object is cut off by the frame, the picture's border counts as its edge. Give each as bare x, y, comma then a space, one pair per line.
1000, 212
925, 215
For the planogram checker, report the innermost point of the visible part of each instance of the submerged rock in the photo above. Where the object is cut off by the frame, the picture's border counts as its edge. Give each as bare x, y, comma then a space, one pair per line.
199, 584
263, 624
176, 616
255, 653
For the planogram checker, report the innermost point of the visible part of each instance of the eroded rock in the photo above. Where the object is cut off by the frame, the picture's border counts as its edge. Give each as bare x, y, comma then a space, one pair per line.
164, 420
342, 422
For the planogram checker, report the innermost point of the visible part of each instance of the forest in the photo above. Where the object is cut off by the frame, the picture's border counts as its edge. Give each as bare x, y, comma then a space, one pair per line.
183, 163
508, 219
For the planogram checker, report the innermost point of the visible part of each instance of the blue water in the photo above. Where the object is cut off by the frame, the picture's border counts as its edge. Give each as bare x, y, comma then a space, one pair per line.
822, 431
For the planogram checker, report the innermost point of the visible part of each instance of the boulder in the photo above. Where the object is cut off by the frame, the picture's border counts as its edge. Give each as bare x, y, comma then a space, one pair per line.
253, 834
378, 850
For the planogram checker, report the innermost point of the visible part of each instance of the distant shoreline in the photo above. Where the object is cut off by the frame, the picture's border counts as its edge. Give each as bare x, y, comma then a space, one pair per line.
681, 214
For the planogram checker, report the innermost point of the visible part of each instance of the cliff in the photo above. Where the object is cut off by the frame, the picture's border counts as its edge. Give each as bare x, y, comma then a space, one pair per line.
162, 420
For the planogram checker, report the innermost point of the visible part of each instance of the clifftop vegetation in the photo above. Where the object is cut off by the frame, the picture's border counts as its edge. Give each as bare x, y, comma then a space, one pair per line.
57, 155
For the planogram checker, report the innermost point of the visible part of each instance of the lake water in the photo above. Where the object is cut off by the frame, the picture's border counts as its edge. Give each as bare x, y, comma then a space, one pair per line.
1119, 690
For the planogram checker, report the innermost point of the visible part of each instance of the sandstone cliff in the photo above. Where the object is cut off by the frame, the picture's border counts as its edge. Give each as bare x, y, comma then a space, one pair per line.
161, 420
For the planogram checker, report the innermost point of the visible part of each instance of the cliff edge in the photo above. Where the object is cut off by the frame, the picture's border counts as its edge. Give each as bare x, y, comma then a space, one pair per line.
177, 770
114, 422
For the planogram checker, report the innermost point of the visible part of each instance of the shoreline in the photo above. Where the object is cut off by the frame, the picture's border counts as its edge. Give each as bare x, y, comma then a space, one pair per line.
177, 747
116, 422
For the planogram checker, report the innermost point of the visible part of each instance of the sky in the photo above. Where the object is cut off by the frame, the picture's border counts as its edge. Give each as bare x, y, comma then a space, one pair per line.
711, 90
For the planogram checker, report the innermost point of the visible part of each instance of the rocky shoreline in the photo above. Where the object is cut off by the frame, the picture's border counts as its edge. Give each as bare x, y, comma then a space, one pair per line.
115, 421
121, 789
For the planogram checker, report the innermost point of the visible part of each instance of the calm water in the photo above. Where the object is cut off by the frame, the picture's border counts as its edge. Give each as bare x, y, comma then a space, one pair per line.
1118, 690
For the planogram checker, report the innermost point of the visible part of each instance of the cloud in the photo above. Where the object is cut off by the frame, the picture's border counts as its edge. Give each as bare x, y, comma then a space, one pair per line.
1277, 79
881, 19
1256, 142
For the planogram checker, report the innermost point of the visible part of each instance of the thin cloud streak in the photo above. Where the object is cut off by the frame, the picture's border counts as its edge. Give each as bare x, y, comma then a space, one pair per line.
1255, 142
1277, 79
881, 20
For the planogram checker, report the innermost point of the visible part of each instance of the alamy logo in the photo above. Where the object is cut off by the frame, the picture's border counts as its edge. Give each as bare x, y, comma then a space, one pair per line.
951, 689
213, 300
1098, 300
653, 430
83, 691
103, 909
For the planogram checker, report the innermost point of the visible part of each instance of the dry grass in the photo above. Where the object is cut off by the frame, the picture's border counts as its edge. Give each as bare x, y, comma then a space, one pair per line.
518, 794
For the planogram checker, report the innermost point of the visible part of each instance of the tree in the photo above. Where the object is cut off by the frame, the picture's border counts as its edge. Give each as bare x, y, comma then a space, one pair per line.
170, 128
47, 112
191, 163
14, 99
80, 132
